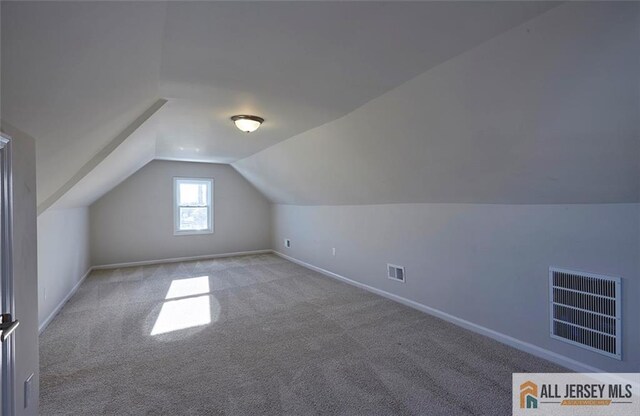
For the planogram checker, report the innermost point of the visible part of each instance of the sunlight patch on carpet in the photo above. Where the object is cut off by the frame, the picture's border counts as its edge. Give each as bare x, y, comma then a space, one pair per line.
183, 313
181, 288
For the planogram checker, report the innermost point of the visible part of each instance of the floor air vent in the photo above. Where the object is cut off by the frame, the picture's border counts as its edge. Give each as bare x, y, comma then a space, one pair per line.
586, 310
395, 272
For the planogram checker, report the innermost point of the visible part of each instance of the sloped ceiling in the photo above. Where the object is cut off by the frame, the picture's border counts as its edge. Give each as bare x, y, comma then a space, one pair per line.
75, 75
130, 151
547, 112
301, 64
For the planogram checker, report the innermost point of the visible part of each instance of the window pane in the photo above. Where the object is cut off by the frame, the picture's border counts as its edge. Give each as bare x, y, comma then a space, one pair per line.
193, 194
193, 218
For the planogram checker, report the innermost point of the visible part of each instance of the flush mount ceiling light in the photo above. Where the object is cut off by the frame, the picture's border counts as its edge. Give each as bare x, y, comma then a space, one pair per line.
246, 123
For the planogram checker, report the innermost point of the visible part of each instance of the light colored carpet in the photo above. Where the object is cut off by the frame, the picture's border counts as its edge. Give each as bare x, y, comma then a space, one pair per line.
282, 340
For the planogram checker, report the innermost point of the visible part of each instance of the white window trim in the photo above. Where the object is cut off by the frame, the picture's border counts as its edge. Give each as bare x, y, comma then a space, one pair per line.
176, 207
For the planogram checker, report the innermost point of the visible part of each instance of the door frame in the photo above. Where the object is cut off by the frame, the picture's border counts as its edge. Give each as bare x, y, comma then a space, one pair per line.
7, 300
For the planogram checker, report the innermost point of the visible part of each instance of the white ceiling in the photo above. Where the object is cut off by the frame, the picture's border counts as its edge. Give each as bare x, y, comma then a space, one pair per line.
75, 74
301, 64
546, 113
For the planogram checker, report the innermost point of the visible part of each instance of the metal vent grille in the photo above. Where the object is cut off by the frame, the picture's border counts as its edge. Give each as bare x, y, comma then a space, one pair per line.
395, 272
585, 310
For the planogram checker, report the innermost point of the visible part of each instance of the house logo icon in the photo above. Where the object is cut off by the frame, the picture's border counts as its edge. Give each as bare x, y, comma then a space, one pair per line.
528, 395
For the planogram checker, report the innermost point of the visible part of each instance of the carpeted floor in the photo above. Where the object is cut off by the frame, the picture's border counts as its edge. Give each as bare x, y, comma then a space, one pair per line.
260, 335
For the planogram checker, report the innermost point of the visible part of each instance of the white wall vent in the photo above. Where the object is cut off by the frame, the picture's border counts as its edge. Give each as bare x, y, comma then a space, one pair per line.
395, 272
586, 310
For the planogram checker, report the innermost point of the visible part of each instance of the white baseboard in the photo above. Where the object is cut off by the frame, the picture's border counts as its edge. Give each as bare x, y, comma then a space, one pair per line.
57, 309
179, 259
505, 339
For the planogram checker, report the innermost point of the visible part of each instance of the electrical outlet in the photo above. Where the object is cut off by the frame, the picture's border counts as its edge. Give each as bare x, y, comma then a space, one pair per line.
287, 243
333, 251
28, 390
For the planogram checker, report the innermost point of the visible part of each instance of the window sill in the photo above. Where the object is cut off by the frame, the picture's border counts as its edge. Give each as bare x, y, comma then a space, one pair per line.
198, 232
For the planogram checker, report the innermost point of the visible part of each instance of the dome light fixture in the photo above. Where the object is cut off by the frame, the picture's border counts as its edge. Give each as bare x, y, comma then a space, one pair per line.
247, 123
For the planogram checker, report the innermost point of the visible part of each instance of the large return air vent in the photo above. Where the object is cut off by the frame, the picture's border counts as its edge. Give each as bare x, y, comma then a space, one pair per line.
586, 310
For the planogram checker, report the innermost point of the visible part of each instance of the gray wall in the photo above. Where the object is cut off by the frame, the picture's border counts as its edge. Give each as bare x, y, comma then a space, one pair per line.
134, 222
63, 256
25, 267
545, 113
487, 264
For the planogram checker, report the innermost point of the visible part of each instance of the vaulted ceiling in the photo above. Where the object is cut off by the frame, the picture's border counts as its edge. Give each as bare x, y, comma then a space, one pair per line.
301, 64
545, 113
337, 82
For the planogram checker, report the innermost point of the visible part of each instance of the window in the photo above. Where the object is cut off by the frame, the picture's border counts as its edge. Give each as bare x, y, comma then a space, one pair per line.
193, 206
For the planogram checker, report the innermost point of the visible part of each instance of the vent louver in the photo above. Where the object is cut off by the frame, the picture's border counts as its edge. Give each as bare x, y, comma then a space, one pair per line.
395, 272
586, 310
